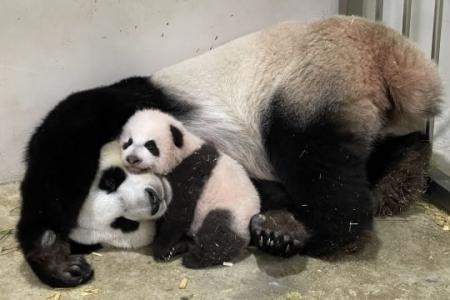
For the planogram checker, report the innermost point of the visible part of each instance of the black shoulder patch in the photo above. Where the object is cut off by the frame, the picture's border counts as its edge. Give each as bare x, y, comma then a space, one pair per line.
111, 179
177, 136
124, 224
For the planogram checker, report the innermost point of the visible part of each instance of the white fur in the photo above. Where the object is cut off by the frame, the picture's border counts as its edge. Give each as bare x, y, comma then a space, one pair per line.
100, 209
231, 87
148, 125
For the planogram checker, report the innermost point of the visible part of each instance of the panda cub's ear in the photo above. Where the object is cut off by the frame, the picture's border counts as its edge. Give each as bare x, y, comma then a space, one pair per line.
111, 179
177, 136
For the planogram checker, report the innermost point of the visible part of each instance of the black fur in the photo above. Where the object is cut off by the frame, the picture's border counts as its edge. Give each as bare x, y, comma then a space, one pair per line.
111, 179
187, 181
388, 152
127, 144
62, 158
397, 172
152, 147
177, 136
215, 242
77, 248
272, 195
323, 169
125, 225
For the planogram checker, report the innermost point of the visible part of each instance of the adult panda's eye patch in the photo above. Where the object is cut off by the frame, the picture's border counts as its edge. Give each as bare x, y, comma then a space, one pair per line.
111, 179
127, 144
152, 147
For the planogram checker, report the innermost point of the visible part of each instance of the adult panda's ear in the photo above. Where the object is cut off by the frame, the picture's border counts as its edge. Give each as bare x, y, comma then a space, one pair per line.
111, 179
177, 136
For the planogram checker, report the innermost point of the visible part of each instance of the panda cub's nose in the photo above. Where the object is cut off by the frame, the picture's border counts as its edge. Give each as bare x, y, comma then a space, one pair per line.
133, 159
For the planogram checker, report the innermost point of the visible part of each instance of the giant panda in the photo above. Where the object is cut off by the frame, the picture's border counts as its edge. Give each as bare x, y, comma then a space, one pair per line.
121, 207
304, 105
213, 197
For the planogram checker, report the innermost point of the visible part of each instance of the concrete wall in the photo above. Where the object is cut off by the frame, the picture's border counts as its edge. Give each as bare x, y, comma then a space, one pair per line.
49, 48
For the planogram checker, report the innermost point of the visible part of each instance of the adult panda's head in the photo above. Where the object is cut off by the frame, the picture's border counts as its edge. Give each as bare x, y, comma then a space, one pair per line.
154, 141
143, 196
121, 207
138, 197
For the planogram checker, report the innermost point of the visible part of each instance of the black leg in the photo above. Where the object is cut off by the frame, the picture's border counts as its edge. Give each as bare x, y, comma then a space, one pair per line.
397, 172
323, 168
215, 242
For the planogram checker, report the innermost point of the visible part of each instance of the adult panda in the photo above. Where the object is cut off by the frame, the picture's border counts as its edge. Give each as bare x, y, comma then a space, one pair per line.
299, 103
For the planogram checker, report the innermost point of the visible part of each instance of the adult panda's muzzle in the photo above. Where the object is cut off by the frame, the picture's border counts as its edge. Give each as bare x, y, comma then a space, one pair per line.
155, 200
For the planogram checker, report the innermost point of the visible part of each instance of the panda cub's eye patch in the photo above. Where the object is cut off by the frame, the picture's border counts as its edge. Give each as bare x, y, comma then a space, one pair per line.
151, 146
127, 144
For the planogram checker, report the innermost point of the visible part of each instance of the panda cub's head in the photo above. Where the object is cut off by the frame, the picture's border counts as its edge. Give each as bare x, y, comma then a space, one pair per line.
154, 141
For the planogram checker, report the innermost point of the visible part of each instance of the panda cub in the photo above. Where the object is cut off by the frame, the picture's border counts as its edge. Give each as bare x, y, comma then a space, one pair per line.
213, 199
121, 208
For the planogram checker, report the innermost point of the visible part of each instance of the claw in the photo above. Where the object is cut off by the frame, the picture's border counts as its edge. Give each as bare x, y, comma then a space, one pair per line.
288, 247
261, 241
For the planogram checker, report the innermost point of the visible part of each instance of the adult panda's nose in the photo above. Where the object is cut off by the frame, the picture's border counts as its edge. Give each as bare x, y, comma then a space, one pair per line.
133, 159
155, 201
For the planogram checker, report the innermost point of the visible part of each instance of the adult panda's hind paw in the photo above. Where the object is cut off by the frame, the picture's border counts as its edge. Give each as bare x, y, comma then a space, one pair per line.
278, 233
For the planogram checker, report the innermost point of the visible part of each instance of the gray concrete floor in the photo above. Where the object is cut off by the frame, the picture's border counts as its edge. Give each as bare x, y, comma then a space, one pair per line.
410, 259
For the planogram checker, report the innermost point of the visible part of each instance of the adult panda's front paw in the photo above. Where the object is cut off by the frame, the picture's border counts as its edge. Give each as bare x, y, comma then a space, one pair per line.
277, 232
54, 265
